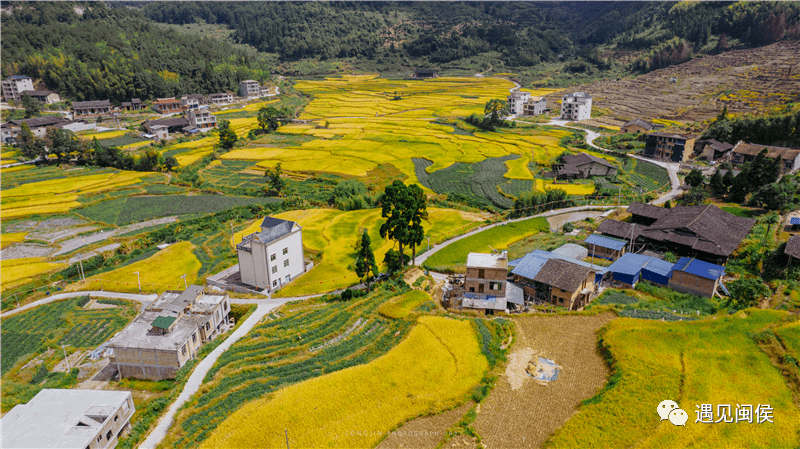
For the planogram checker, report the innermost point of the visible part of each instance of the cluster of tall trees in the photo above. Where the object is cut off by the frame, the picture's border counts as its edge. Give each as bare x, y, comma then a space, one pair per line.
404, 207
758, 184
777, 129
532, 203
64, 146
89, 51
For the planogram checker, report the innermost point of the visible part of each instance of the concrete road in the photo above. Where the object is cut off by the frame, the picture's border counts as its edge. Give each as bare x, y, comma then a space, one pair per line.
144, 299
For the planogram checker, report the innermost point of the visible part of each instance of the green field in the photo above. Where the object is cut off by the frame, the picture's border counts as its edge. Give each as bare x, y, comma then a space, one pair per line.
120, 141
140, 208
478, 180
33, 332
713, 361
454, 255
311, 340
403, 305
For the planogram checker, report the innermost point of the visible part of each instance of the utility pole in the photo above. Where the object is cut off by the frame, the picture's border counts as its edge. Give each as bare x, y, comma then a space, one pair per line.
185, 287
83, 275
619, 195
66, 359
633, 232
286, 432
429, 243
138, 281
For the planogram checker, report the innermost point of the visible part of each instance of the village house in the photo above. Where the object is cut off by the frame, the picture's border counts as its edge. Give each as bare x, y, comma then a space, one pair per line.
583, 165
220, 98
193, 101
605, 247
705, 232
91, 108
793, 247
645, 214
694, 276
14, 85
636, 126
534, 106
37, 125
620, 229
630, 268
171, 125
169, 333
167, 105
516, 101
747, 152
69, 419
571, 251
202, 119
44, 96
576, 106
134, 105
527, 268
485, 285
425, 73
668, 147
564, 283
795, 223
249, 89
271, 258
711, 149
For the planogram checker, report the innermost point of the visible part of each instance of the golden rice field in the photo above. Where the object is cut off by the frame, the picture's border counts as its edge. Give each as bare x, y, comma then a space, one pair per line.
61, 195
11, 238
571, 189
159, 272
16, 272
9, 156
333, 233
359, 126
402, 306
105, 135
433, 369
714, 361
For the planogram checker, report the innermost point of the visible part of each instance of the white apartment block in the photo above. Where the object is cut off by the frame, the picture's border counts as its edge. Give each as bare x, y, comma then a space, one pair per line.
220, 98
14, 85
516, 101
202, 119
576, 106
534, 106
69, 419
273, 257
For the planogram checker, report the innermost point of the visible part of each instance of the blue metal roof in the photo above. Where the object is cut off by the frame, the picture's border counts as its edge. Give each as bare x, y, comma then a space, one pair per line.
605, 242
20, 77
659, 266
629, 263
699, 268
794, 220
529, 266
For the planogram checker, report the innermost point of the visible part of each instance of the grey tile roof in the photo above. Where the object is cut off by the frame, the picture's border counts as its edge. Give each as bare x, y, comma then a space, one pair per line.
90, 104
793, 246
274, 228
562, 274
620, 229
647, 210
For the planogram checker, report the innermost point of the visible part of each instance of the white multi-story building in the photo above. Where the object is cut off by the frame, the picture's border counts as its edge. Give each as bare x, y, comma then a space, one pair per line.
576, 106
14, 85
220, 98
273, 257
202, 119
516, 101
193, 101
66, 419
534, 106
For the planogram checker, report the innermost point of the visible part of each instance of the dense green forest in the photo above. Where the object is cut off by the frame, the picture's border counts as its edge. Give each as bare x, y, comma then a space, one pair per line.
88, 51
519, 33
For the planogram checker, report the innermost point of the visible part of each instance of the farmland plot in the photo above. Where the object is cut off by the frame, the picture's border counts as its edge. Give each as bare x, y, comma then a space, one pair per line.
441, 362
525, 416
712, 361
479, 180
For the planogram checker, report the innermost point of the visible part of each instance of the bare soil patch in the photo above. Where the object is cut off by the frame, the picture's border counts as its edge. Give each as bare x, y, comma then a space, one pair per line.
427, 431
23, 250
528, 415
744, 80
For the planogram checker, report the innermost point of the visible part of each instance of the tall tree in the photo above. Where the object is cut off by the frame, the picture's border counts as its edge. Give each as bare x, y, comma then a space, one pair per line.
366, 268
695, 178
416, 212
276, 183
32, 106
227, 137
404, 208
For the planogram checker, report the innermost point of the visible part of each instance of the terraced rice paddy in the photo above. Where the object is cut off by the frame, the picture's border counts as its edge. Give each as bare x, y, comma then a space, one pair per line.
17, 272
157, 273
359, 125
61, 195
332, 233
691, 363
434, 368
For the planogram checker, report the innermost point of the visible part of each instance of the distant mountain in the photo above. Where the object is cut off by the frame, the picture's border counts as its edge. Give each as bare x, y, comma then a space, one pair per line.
87, 50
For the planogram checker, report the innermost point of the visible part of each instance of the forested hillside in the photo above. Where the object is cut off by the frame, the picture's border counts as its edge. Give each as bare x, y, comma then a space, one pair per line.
87, 50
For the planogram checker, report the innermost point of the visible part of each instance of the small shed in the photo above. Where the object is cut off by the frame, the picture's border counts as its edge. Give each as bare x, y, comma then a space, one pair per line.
657, 271
695, 276
605, 247
795, 222
572, 251
628, 268
793, 247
